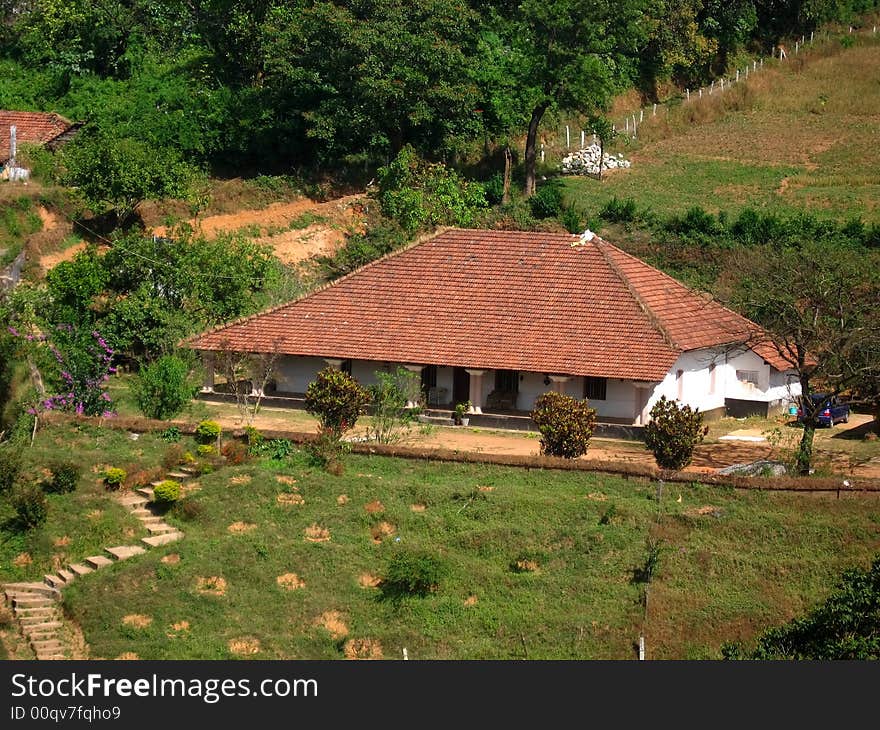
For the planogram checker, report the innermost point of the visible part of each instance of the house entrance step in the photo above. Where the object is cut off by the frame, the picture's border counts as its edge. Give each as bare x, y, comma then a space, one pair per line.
80, 569
124, 552
163, 539
437, 420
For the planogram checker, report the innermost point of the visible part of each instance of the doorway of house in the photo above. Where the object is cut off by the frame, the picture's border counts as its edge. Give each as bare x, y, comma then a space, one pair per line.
461, 386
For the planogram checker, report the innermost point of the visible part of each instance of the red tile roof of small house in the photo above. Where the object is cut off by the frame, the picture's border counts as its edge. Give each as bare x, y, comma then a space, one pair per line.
511, 300
30, 128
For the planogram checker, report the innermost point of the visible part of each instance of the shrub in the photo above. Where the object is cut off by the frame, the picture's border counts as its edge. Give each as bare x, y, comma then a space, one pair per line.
64, 477
10, 466
327, 450
139, 477
673, 433
547, 202
279, 448
208, 432
412, 573
170, 434
189, 509
114, 477
256, 440
206, 450
235, 452
336, 400
163, 388
166, 493
391, 418
571, 219
619, 211
565, 423
31, 506
494, 189
173, 456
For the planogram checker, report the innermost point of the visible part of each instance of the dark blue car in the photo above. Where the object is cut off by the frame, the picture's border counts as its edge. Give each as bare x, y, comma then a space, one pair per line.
833, 410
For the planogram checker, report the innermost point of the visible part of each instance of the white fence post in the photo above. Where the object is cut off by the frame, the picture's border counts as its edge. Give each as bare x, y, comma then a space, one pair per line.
712, 87
688, 92
655, 111
542, 151
567, 138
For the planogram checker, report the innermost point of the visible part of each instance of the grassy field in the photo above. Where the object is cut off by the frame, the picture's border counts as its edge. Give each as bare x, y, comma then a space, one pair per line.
799, 136
539, 564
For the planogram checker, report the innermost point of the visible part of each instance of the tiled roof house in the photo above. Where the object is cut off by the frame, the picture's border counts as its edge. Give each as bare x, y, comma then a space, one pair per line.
31, 128
499, 317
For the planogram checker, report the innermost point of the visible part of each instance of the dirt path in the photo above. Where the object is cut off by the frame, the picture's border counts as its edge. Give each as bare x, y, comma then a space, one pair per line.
323, 234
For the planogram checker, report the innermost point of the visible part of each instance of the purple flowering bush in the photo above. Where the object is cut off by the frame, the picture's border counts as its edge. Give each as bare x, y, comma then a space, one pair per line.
83, 368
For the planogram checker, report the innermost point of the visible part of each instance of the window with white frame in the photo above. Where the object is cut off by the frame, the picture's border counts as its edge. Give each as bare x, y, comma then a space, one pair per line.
747, 376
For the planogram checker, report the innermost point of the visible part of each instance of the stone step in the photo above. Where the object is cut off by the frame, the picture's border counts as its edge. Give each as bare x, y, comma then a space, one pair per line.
32, 602
98, 561
151, 520
31, 589
160, 528
191, 470
50, 635
142, 513
67, 575
41, 628
31, 619
56, 581
50, 657
47, 645
133, 501
80, 569
163, 539
124, 552
178, 475
146, 492
35, 611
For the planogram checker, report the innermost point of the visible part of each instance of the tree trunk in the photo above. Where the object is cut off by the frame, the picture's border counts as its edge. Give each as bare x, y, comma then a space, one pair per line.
531, 149
804, 458
508, 163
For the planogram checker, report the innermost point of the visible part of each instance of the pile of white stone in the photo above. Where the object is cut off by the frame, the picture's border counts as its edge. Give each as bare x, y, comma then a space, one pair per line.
586, 161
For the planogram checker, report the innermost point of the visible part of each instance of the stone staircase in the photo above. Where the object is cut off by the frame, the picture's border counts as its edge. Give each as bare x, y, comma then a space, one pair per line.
36, 606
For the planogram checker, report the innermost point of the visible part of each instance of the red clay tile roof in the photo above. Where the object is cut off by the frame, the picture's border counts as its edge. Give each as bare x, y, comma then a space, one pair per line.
30, 128
510, 300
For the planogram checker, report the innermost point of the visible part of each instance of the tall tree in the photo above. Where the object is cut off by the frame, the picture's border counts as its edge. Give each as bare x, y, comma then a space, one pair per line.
818, 304
571, 55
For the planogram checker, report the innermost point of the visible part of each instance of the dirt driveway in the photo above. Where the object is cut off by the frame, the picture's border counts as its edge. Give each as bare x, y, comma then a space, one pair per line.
841, 449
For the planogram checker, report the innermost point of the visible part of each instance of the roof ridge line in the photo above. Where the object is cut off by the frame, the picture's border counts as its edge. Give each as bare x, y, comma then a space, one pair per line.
317, 290
643, 305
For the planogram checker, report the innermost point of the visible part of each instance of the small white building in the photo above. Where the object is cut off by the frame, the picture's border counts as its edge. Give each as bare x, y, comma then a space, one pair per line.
499, 317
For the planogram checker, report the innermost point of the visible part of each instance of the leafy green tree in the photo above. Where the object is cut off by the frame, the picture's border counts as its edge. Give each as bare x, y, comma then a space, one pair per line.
817, 304
120, 173
570, 55
165, 387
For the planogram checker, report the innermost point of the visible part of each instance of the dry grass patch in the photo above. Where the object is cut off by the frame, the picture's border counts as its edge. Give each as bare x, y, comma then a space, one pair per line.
470, 601
282, 479
137, 620
381, 531
241, 479
61, 541
418, 507
290, 582
362, 649
22, 559
704, 511
485, 489
95, 514
212, 585
342, 499
526, 566
170, 559
236, 528
128, 656
597, 497
374, 507
368, 580
244, 646
316, 533
177, 628
290, 498
333, 623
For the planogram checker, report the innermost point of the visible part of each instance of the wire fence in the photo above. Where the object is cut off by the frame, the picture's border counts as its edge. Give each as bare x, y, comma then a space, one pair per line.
628, 126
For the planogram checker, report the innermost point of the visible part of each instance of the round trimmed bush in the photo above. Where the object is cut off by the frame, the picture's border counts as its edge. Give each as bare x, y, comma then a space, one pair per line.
64, 478
566, 424
673, 433
168, 492
114, 477
207, 432
164, 387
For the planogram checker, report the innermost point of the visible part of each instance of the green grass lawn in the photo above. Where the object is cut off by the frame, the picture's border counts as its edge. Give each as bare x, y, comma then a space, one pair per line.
752, 560
802, 139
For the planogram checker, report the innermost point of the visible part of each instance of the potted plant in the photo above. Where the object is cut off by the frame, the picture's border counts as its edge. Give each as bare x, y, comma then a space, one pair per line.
461, 410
